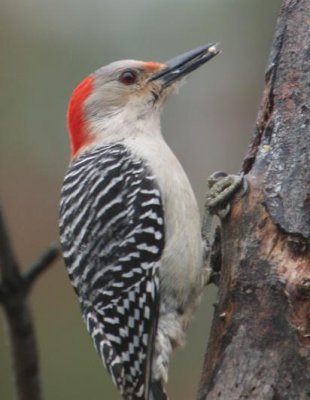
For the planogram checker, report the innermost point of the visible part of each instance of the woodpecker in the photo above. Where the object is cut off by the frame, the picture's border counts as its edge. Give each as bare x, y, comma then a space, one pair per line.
130, 228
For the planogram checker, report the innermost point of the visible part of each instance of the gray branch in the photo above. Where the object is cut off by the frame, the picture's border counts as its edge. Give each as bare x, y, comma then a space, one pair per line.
14, 289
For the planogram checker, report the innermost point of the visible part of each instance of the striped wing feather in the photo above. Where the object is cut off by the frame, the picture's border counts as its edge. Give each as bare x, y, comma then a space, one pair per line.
112, 236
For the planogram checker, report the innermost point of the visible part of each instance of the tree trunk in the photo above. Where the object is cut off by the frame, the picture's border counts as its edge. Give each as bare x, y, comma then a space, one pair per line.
259, 346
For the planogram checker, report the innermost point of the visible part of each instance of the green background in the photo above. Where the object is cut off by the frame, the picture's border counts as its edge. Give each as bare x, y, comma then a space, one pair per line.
47, 47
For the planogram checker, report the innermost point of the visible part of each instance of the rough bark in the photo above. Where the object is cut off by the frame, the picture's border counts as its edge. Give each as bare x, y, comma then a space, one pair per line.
259, 346
14, 290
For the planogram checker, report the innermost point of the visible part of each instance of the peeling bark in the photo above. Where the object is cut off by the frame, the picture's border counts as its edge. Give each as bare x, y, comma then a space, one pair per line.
259, 346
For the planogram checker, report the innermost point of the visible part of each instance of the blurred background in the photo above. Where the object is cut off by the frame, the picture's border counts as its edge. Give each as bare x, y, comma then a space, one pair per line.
47, 47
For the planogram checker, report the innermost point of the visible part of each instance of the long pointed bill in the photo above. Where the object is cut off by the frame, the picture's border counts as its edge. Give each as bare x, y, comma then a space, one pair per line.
185, 63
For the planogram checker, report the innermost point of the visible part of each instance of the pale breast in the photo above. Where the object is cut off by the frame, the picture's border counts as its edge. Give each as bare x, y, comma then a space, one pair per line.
181, 269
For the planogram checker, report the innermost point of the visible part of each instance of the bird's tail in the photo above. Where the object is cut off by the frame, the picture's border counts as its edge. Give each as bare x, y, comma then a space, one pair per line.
157, 391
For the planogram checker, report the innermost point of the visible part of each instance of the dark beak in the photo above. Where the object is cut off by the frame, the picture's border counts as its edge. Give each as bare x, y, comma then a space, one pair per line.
185, 63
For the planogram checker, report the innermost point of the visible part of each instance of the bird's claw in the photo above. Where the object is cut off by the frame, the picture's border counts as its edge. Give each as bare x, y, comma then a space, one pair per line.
222, 188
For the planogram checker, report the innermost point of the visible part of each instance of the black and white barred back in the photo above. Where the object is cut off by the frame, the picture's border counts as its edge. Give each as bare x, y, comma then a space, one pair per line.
112, 237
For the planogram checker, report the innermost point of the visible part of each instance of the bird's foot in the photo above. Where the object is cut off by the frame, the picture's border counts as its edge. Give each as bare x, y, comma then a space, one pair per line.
222, 189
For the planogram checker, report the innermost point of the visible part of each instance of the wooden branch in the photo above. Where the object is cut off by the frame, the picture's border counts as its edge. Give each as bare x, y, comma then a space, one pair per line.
14, 289
42, 263
259, 346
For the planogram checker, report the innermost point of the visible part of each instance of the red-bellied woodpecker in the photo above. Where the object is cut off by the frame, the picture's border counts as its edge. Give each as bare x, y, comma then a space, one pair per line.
129, 223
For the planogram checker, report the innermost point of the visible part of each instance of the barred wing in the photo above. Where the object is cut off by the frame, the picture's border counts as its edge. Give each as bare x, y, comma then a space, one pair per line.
112, 236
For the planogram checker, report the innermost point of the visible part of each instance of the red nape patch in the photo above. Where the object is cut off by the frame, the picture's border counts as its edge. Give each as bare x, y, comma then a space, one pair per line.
75, 118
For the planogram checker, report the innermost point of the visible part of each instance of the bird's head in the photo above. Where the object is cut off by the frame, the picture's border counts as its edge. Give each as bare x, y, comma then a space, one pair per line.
115, 100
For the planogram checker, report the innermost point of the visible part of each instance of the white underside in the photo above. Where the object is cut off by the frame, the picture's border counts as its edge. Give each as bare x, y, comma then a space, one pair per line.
181, 265
181, 273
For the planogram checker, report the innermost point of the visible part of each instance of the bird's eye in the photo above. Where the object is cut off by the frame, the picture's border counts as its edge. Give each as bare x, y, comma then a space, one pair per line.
128, 77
